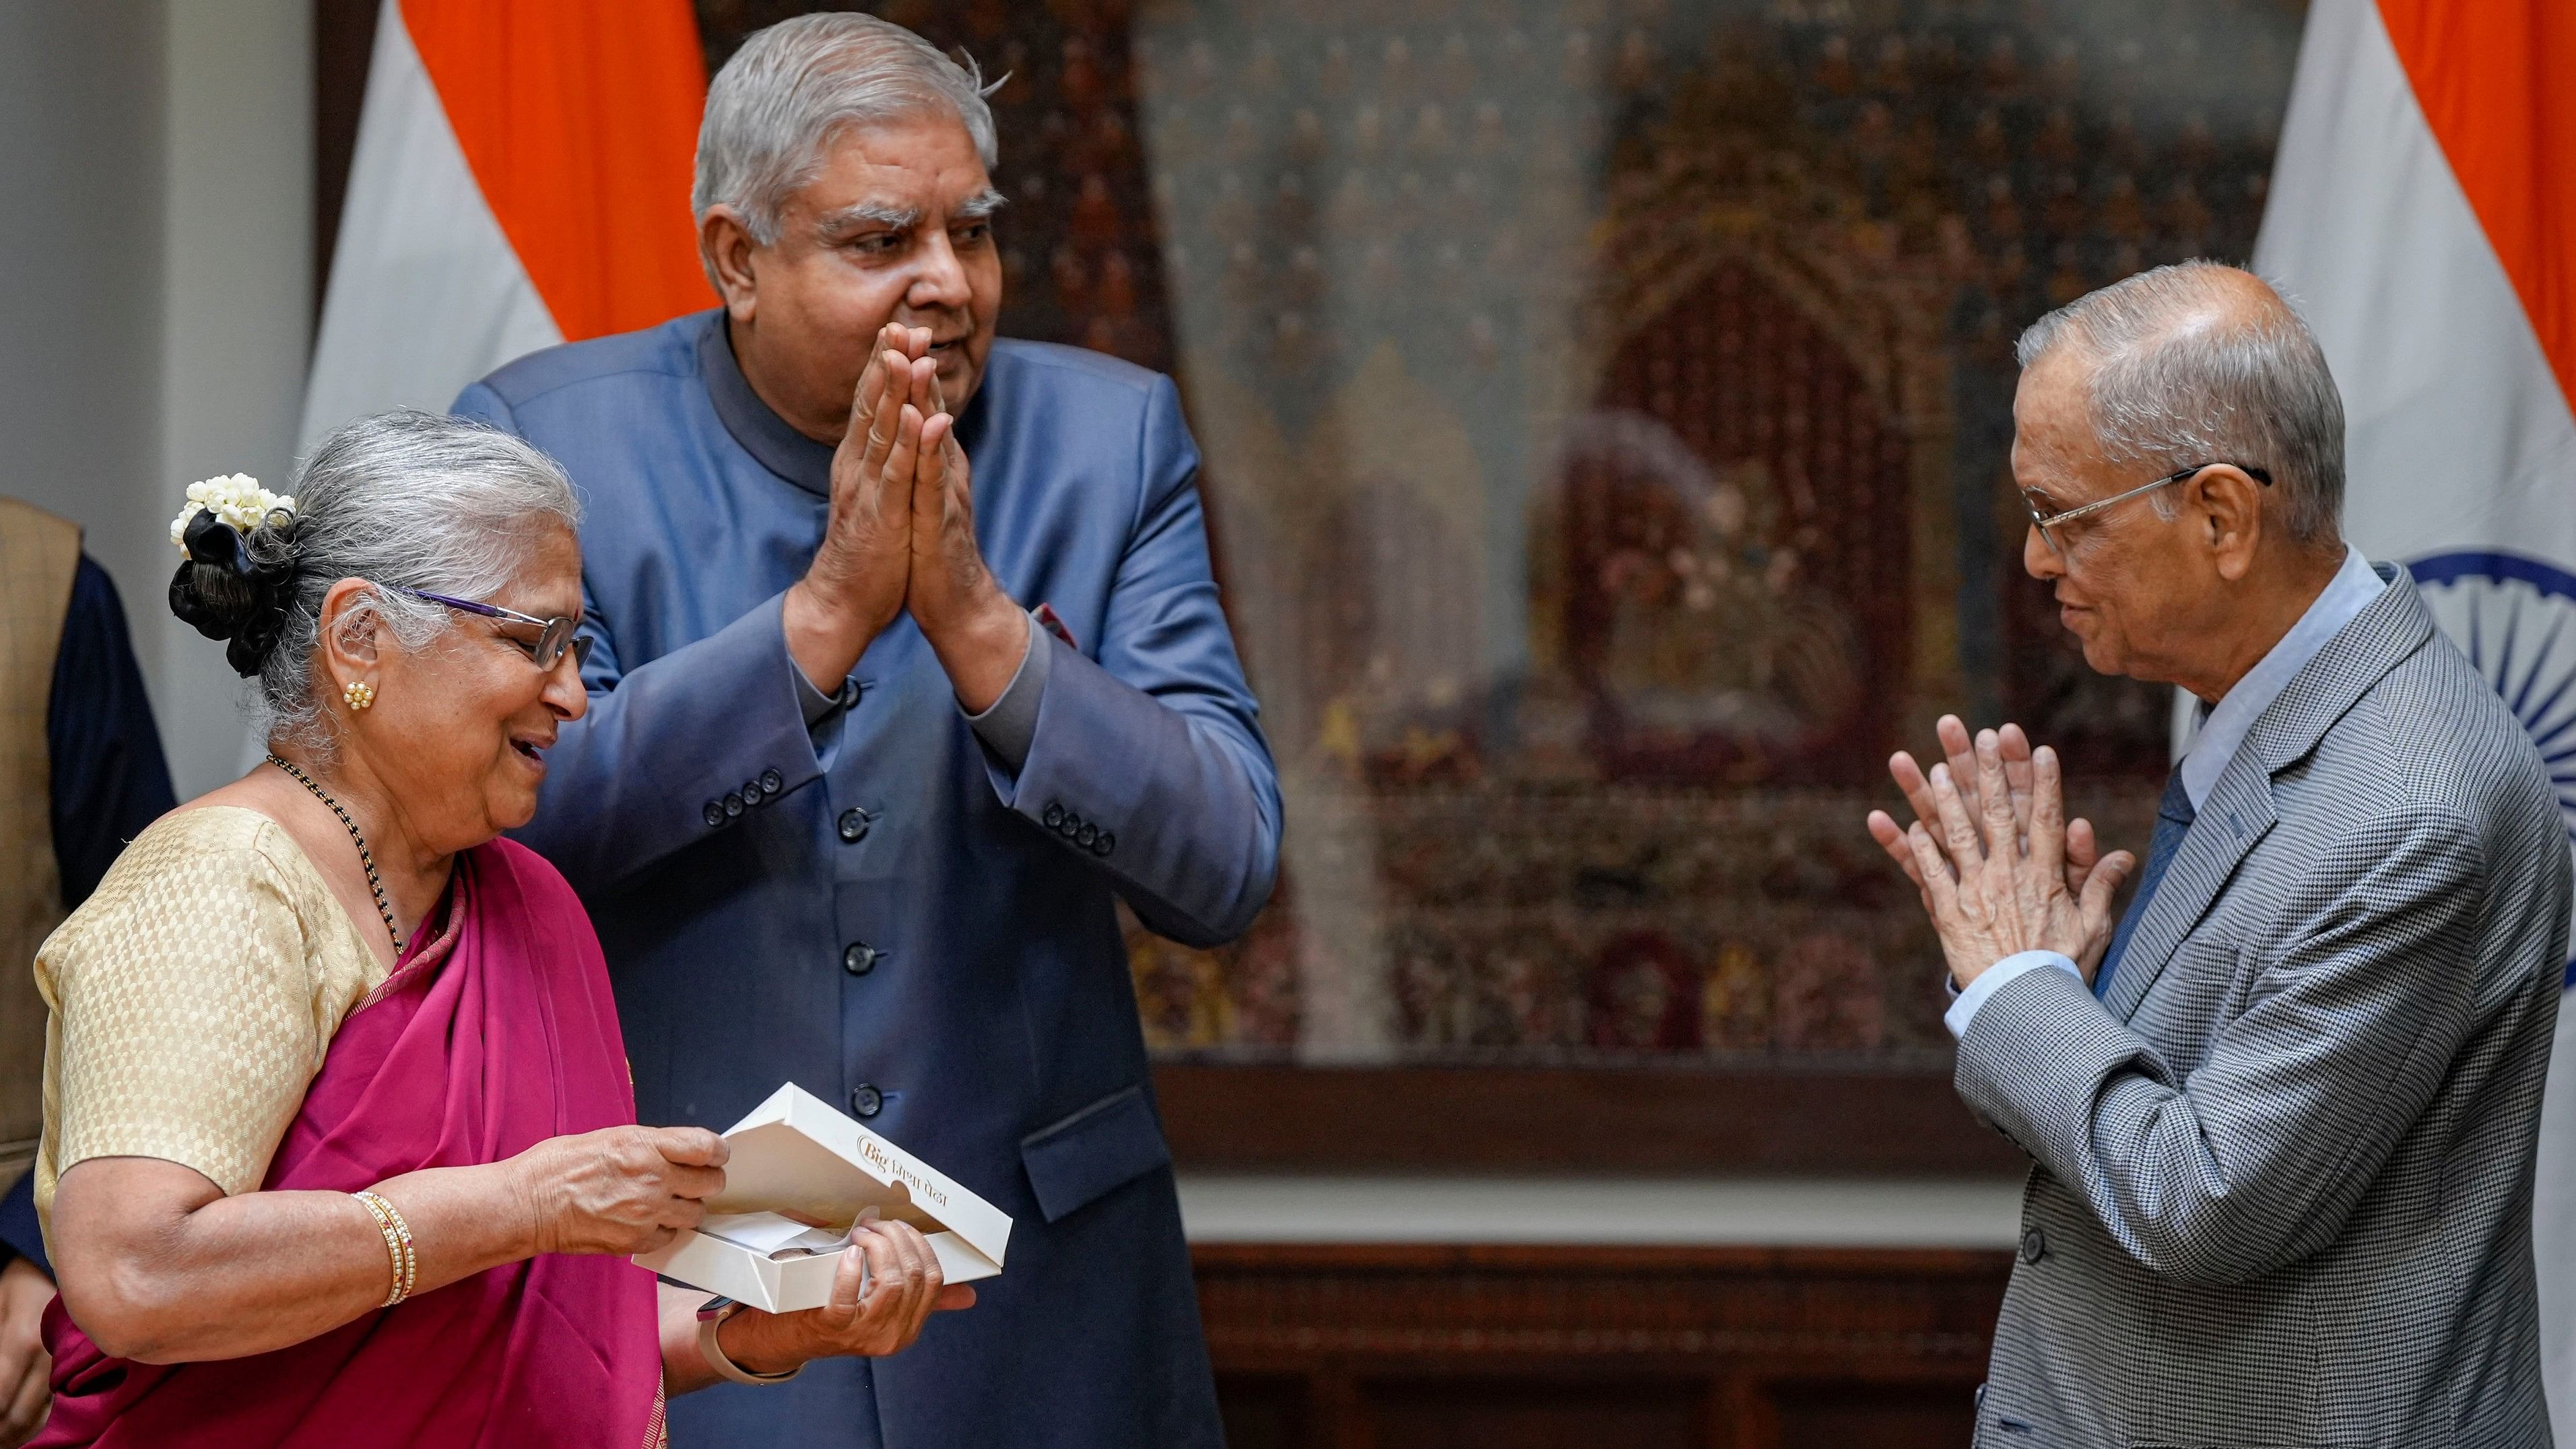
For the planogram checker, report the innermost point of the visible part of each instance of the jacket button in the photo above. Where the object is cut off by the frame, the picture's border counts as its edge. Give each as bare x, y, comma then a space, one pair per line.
859, 958
714, 813
771, 782
2034, 1246
865, 1100
1105, 844
1071, 827
732, 804
1087, 834
1054, 816
854, 825
752, 794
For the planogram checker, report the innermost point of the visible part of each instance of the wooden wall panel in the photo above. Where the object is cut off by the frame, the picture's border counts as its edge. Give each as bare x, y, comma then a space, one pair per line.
1527, 1413
1426, 1347
1525, 1119
344, 38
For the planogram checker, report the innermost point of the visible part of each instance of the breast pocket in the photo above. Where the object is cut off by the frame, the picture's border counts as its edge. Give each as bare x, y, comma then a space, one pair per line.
1076, 1160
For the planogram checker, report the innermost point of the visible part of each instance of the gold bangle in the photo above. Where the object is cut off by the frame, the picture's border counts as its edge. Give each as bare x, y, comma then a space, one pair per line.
393, 1249
712, 1317
398, 1244
393, 1243
410, 1258
402, 1232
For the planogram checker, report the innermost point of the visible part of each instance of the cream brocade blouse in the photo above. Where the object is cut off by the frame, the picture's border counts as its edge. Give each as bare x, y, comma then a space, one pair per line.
192, 998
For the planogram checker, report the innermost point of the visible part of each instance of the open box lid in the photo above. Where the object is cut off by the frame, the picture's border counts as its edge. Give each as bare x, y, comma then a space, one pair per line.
798, 1156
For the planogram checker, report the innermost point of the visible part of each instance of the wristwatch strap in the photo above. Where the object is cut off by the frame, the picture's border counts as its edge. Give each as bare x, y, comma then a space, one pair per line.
710, 1318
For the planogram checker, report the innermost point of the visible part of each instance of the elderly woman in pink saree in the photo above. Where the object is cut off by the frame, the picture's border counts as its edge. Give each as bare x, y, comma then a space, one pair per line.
340, 1142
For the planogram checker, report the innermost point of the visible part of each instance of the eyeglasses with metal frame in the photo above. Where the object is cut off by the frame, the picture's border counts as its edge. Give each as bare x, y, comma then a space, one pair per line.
2046, 521
554, 636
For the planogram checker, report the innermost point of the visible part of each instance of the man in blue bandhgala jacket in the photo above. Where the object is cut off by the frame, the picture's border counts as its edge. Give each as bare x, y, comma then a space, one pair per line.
869, 754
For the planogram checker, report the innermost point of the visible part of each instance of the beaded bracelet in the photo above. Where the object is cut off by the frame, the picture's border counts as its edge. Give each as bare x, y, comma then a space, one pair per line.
398, 1247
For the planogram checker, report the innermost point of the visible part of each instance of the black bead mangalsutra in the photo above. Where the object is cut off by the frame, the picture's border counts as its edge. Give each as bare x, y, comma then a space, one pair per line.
374, 883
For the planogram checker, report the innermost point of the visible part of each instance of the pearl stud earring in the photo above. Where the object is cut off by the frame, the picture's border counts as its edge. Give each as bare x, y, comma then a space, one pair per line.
359, 694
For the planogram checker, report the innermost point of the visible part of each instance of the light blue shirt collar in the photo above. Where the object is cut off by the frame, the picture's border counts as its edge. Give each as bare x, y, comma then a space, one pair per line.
2214, 747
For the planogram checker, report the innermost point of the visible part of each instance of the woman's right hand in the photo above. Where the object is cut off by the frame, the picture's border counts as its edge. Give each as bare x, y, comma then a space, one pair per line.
622, 1190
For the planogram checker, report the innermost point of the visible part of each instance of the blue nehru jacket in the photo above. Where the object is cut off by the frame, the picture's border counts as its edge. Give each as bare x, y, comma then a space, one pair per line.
865, 896
108, 781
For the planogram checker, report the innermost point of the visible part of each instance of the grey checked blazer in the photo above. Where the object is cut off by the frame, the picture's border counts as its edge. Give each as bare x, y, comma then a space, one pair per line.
2281, 1181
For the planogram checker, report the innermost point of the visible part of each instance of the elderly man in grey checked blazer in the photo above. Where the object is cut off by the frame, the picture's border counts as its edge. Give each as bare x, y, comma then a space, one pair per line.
2282, 1119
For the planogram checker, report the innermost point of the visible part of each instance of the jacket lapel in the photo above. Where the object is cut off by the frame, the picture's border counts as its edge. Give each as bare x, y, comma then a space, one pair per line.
2237, 813
2240, 809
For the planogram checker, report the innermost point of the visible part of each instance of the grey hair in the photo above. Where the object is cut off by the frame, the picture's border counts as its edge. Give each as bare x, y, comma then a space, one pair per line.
404, 500
779, 101
2191, 366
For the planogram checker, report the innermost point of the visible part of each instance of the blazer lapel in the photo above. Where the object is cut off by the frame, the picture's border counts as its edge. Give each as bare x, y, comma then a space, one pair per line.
2237, 813
2239, 810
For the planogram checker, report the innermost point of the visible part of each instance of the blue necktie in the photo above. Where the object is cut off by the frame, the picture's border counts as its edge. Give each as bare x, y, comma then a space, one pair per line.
2173, 821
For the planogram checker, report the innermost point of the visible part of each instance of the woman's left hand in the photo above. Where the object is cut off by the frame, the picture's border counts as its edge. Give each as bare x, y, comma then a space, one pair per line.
903, 1288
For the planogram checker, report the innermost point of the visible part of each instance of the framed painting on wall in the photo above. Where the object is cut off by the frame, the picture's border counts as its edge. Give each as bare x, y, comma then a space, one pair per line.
1606, 408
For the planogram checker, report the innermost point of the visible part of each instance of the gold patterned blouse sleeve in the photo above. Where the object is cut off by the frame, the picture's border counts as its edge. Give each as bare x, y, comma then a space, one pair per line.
189, 1013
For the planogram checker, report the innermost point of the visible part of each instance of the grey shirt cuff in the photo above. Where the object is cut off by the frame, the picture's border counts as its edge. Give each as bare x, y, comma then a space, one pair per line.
818, 706
1010, 727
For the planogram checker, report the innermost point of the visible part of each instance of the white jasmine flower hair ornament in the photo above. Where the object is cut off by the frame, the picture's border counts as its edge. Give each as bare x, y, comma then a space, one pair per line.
236, 499
236, 573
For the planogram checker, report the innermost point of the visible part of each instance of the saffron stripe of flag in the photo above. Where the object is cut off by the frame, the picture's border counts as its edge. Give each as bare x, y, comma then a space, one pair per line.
521, 180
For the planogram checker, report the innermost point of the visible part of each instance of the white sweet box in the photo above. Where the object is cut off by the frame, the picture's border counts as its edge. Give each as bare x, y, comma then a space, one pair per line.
800, 1175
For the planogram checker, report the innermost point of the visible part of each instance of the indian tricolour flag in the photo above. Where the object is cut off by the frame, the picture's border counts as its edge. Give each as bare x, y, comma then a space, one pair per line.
521, 179
2423, 215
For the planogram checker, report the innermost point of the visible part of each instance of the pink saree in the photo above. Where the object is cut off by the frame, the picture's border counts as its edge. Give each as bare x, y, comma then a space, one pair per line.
496, 1034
